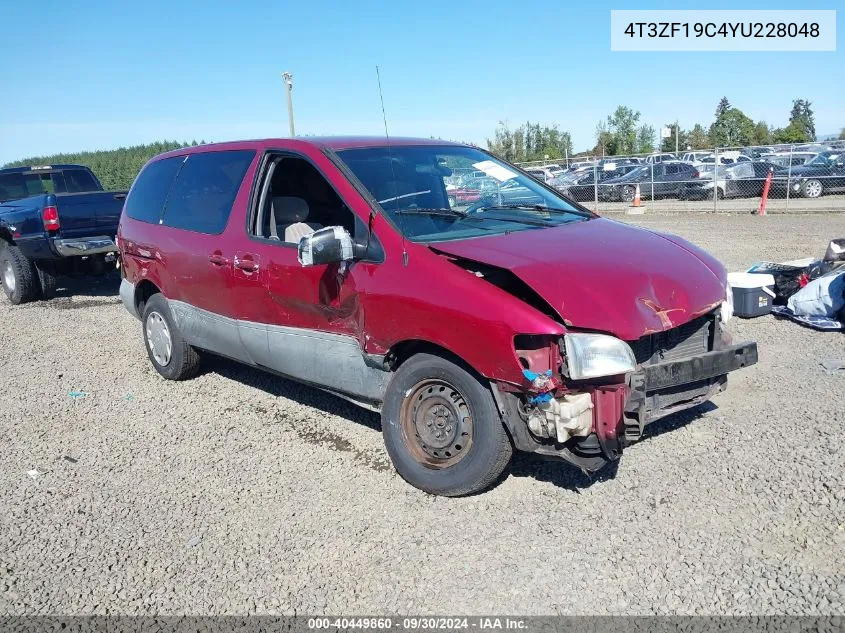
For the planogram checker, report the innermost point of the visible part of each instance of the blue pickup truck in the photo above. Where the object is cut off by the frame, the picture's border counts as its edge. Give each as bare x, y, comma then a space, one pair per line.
54, 220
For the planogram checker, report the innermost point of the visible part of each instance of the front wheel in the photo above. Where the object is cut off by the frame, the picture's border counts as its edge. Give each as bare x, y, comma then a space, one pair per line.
442, 428
812, 189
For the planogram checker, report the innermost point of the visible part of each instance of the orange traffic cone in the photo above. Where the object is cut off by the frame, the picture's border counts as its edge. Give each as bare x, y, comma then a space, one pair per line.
637, 200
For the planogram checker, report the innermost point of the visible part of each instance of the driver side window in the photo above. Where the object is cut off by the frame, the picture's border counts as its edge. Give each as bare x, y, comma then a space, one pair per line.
296, 200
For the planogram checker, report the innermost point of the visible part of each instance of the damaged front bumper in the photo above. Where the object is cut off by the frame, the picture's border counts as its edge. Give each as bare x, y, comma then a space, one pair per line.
619, 412
660, 389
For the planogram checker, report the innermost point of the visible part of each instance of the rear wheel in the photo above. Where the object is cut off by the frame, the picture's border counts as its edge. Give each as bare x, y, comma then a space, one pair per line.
171, 356
442, 428
47, 280
812, 189
18, 275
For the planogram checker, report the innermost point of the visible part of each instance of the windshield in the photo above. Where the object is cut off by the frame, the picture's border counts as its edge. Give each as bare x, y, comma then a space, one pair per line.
826, 159
410, 184
638, 171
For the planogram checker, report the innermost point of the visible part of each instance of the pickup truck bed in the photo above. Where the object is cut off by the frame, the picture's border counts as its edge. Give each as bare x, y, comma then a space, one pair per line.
56, 232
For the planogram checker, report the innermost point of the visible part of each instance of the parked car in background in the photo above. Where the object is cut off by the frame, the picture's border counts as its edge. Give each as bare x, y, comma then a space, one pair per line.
741, 180
546, 172
726, 158
54, 220
339, 263
613, 161
581, 185
651, 159
785, 159
758, 152
576, 165
471, 191
664, 179
825, 173
696, 157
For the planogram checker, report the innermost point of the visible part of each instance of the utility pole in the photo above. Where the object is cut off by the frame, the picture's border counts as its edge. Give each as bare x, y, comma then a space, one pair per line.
288, 79
677, 134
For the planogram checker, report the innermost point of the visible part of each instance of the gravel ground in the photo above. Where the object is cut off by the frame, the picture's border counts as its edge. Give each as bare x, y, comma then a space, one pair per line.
241, 493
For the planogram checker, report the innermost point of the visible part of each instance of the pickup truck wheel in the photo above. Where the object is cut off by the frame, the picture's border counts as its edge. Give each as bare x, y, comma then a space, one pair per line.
442, 429
18, 275
171, 356
48, 282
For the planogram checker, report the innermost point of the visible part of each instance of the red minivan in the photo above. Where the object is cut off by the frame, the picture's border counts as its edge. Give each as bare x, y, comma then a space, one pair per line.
521, 320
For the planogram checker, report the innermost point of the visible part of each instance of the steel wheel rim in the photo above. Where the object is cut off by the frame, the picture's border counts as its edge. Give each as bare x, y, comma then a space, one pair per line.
436, 423
9, 276
158, 338
814, 189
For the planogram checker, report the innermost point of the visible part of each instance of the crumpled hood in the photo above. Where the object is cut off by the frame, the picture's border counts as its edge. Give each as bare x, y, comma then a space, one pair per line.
605, 275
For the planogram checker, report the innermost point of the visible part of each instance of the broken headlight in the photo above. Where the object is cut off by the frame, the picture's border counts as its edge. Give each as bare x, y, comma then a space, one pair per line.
594, 355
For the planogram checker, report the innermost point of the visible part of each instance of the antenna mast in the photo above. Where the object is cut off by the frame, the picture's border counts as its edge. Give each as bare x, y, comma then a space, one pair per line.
392, 168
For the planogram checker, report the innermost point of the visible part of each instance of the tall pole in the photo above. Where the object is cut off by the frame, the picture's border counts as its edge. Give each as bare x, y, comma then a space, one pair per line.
677, 134
288, 79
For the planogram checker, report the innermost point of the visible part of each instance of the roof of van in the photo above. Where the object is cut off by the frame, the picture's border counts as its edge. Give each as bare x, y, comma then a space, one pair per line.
323, 142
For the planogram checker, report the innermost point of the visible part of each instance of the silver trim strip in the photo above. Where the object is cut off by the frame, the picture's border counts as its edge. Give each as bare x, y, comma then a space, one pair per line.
323, 359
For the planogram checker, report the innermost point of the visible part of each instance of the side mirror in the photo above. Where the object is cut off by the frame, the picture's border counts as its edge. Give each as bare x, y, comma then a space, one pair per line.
330, 245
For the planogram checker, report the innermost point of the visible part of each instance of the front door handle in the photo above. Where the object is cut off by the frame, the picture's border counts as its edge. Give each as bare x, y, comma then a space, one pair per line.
218, 260
247, 264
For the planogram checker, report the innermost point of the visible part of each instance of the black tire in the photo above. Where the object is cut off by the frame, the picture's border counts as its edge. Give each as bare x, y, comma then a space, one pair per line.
47, 280
488, 450
24, 275
183, 361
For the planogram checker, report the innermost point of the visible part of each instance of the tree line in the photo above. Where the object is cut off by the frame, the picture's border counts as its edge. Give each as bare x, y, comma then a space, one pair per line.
116, 168
731, 127
623, 133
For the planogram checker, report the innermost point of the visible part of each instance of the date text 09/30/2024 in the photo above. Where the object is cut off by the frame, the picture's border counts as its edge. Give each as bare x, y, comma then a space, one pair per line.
417, 623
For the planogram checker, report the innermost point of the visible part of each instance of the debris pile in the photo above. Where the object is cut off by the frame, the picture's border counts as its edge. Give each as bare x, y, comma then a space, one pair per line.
810, 292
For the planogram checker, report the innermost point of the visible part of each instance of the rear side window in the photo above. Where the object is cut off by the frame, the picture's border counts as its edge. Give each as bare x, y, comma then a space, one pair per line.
79, 181
205, 188
149, 193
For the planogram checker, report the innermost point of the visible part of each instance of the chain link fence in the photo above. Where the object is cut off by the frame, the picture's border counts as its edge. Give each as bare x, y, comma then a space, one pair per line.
804, 178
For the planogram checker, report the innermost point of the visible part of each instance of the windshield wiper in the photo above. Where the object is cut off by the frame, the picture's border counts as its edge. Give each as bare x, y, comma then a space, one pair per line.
438, 211
511, 218
536, 207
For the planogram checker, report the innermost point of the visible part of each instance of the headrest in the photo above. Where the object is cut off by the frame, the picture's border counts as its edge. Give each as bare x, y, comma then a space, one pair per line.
289, 209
